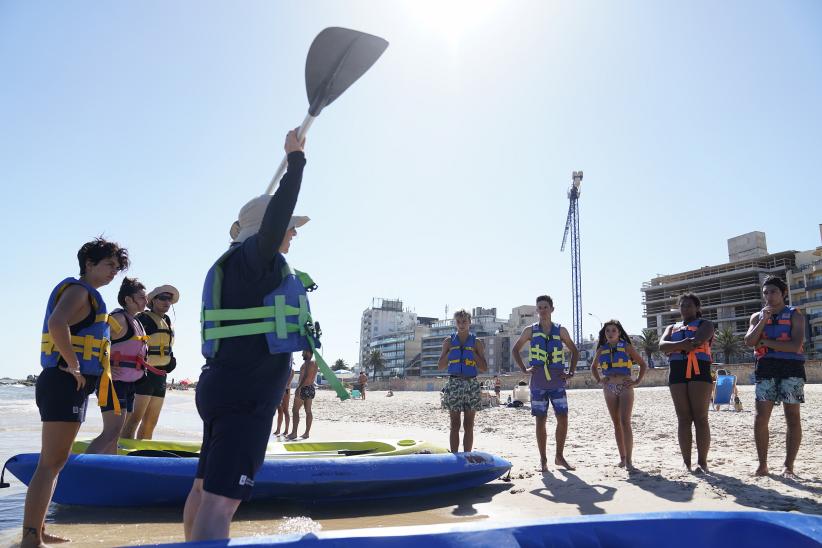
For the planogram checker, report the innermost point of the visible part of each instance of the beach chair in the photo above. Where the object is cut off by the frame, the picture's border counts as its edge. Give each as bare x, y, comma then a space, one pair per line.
356, 393
724, 390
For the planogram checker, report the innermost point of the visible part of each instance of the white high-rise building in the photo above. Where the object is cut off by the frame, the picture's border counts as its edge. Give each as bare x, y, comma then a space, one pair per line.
383, 317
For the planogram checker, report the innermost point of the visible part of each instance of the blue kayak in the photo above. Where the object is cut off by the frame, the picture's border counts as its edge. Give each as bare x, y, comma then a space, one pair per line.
88, 480
658, 530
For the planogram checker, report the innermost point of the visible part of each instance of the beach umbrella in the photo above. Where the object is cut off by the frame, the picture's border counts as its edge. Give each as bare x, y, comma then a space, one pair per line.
336, 59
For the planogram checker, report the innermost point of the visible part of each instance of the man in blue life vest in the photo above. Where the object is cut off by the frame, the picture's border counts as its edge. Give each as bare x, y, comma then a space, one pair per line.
464, 356
777, 333
251, 302
548, 376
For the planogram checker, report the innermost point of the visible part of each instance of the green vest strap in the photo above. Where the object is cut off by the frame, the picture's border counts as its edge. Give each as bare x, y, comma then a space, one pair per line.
256, 328
256, 313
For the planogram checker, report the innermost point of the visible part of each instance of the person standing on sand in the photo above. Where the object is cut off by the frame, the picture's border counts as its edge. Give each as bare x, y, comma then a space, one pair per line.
304, 395
128, 365
247, 360
73, 354
612, 366
463, 354
688, 345
151, 389
548, 377
777, 332
497, 386
284, 410
363, 380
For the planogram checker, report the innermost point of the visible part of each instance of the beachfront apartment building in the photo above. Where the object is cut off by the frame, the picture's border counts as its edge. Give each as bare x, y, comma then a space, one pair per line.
384, 317
399, 351
732, 291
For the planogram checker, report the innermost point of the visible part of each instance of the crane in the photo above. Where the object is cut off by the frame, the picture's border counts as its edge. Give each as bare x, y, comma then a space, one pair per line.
572, 226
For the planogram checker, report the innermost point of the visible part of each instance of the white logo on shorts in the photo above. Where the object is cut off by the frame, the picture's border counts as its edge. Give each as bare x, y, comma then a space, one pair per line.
245, 480
75, 410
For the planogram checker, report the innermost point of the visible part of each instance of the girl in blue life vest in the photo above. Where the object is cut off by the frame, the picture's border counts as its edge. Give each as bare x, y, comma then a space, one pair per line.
612, 366
463, 354
777, 332
128, 363
74, 354
688, 345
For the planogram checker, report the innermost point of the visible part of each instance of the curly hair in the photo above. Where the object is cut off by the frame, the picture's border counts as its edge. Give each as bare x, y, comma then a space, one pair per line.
100, 249
129, 287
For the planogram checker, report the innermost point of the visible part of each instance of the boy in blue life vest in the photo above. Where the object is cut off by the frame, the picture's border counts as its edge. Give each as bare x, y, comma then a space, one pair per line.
74, 353
548, 376
464, 356
255, 314
777, 333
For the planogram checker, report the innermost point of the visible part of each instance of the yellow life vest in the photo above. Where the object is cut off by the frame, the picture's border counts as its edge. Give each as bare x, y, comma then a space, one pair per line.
160, 340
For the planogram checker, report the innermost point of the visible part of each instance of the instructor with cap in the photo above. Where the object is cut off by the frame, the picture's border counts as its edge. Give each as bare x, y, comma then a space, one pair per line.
151, 389
255, 314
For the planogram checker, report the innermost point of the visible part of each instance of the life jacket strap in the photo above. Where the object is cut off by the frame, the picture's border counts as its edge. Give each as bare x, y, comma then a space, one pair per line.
107, 383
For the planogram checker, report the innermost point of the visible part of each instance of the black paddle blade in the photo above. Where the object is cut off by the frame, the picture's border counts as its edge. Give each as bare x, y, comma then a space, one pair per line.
336, 59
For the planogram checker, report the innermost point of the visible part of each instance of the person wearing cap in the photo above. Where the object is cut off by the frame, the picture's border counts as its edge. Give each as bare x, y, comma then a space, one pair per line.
255, 314
151, 389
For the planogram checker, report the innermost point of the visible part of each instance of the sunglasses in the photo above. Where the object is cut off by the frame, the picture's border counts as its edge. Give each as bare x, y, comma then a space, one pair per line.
164, 297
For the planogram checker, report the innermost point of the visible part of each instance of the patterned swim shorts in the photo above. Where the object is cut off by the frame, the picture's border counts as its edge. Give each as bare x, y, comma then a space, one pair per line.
540, 398
462, 394
788, 390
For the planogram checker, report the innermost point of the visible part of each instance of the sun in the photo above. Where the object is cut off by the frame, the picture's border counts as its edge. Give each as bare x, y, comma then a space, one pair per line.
452, 19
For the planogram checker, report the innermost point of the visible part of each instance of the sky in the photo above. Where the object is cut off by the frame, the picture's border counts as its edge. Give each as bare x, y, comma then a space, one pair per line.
439, 178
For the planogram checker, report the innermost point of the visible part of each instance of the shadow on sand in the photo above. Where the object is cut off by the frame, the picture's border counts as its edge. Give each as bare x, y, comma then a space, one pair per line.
574, 490
662, 487
762, 498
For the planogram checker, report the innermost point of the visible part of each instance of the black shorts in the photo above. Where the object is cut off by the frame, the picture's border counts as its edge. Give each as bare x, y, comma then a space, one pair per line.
57, 396
307, 392
151, 385
235, 431
676, 373
125, 395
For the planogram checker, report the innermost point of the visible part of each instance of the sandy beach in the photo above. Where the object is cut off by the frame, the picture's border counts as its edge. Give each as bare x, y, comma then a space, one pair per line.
597, 485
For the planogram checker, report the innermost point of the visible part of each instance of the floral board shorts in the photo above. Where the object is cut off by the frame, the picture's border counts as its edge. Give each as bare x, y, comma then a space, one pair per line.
540, 399
788, 390
462, 394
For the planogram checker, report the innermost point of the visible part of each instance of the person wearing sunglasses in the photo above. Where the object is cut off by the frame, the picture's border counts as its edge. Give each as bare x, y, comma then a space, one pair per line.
151, 389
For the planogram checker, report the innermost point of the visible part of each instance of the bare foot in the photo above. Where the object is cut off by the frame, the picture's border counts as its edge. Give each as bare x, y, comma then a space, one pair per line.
292, 436
629, 465
560, 461
703, 466
543, 465
787, 473
621, 463
700, 469
276, 434
54, 539
305, 436
686, 466
762, 470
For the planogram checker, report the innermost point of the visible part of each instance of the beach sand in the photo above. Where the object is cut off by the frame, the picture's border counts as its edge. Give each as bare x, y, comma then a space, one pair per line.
597, 486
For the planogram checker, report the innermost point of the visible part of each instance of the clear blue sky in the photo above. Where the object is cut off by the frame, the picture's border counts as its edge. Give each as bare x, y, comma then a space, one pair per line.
439, 178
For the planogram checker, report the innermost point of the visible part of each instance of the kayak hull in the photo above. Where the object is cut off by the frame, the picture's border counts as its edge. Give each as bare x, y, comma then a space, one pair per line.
114, 480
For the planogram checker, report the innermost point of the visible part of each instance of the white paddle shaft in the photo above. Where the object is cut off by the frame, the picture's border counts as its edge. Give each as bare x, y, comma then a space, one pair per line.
303, 129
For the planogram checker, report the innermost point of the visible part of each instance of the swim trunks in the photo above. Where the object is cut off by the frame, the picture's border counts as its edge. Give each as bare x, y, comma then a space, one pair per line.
307, 392
788, 390
462, 394
540, 399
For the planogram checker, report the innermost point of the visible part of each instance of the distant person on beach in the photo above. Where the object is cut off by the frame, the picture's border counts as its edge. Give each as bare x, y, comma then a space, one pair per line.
128, 363
497, 386
304, 395
284, 409
464, 355
247, 360
688, 345
75, 338
151, 389
363, 380
777, 333
548, 376
612, 366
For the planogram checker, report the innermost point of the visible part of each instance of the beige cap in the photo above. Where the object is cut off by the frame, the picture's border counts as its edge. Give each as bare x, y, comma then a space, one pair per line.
251, 217
170, 289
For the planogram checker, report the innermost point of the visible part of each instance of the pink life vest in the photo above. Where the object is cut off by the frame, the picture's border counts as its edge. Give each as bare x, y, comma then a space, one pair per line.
128, 354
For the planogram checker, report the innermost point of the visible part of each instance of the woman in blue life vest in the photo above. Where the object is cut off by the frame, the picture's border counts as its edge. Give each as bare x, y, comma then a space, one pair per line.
463, 354
688, 345
74, 354
777, 333
128, 363
546, 366
612, 366
248, 357
151, 389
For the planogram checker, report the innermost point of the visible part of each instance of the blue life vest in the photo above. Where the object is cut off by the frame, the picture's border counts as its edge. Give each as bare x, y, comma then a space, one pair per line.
462, 357
681, 332
779, 329
615, 360
284, 316
91, 343
546, 350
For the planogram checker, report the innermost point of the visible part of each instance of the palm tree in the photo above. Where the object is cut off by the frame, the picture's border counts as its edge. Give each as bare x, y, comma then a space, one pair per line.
728, 343
339, 364
375, 363
649, 344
